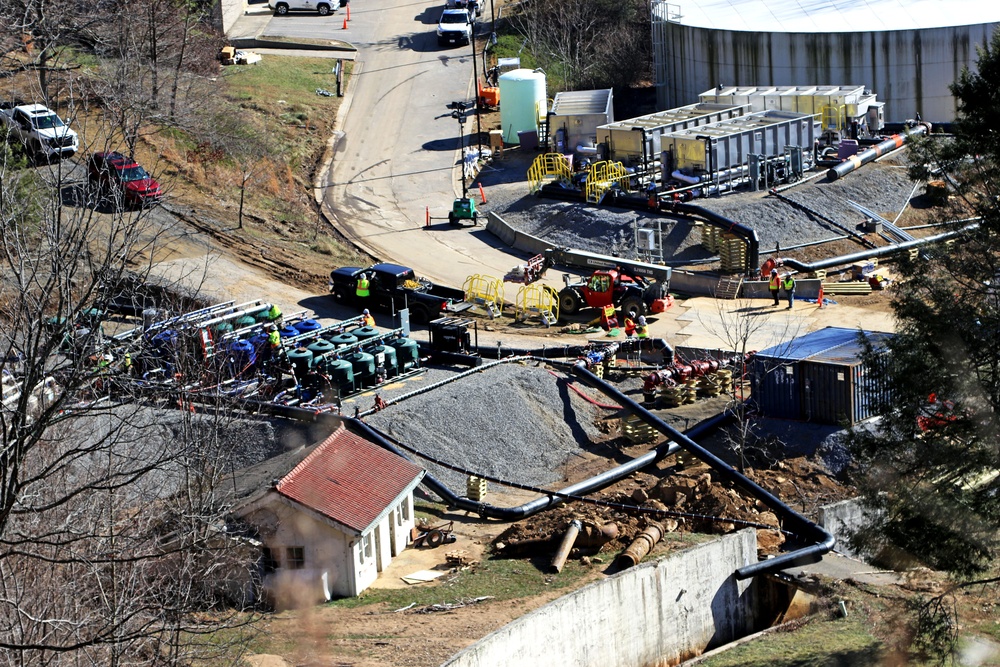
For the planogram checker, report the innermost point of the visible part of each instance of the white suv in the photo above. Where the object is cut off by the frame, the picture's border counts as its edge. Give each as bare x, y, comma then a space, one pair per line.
322, 7
455, 27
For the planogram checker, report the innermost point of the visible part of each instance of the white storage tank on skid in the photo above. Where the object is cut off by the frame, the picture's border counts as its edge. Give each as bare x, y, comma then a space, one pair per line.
522, 103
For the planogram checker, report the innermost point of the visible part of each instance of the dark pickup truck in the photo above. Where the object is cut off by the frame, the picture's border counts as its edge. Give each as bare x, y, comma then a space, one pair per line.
393, 287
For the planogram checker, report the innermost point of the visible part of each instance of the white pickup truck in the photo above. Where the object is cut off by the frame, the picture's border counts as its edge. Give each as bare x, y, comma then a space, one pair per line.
40, 129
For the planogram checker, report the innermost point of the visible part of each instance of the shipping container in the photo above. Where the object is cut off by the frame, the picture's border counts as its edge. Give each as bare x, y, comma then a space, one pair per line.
576, 115
728, 144
818, 377
636, 142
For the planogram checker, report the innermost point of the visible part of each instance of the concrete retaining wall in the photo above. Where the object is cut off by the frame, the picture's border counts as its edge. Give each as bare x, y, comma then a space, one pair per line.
658, 613
839, 519
518, 240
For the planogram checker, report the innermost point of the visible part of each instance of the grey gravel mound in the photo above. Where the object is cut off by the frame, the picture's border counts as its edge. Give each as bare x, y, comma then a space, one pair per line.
515, 422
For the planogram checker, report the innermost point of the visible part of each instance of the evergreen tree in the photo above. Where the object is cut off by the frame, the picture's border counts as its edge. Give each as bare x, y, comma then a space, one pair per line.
929, 469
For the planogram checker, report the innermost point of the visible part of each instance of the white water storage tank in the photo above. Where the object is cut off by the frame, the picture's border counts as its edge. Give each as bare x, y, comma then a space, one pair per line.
522, 99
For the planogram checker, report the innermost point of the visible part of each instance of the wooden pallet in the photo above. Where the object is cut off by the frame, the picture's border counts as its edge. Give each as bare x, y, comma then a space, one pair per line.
728, 288
847, 288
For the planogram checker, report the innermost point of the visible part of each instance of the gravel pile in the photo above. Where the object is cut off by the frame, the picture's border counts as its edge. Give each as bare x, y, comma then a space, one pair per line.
511, 421
882, 187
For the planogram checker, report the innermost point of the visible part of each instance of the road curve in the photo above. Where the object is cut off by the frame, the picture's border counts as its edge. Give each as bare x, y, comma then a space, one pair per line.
396, 151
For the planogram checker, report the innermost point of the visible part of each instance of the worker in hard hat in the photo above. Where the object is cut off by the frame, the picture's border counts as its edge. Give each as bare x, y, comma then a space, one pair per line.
774, 285
788, 284
363, 285
367, 319
641, 328
629, 326
274, 314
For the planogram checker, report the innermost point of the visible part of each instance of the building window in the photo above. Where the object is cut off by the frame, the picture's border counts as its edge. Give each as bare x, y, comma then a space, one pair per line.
295, 557
405, 509
366, 548
269, 561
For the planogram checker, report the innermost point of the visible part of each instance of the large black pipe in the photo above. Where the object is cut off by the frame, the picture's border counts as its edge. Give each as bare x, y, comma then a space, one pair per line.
876, 151
793, 521
486, 510
874, 252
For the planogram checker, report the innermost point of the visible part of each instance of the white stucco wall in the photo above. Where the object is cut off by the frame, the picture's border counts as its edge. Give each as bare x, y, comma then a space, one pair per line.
909, 70
227, 11
657, 613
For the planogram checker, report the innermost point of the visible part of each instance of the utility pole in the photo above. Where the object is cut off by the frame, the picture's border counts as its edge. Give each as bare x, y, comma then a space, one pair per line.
475, 78
458, 112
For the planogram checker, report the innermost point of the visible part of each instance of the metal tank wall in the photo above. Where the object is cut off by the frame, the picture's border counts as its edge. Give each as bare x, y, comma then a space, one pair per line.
910, 70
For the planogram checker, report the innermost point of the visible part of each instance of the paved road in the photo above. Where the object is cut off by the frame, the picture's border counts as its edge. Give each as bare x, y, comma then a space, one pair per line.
397, 154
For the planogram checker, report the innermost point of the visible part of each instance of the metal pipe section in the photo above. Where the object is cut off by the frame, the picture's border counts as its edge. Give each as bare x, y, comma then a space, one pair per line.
876, 151
874, 252
795, 522
566, 545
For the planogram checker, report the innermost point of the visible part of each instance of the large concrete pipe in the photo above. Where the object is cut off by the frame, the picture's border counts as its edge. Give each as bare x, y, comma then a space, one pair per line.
876, 151
641, 545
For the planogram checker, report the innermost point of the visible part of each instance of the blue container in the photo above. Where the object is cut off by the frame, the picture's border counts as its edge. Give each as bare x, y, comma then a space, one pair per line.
307, 326
288, 332
164, 344
244, 356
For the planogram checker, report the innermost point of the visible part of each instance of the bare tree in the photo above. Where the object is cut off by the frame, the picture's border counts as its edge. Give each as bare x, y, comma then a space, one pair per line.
110, 513
744, 326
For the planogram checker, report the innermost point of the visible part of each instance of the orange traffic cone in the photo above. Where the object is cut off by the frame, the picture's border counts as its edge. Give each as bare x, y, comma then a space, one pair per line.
819, 301
345, 23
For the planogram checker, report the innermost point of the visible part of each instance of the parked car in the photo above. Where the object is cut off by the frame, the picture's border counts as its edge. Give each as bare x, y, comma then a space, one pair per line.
455, 27
321, 7
473, 6
40, 129
121, 180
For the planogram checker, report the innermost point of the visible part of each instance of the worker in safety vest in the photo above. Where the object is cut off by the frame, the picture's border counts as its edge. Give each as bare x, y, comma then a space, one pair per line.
774, 285
629, 327
363, 283
641, 329
274, 314
367, 319
788, 284
273, 338
608, 319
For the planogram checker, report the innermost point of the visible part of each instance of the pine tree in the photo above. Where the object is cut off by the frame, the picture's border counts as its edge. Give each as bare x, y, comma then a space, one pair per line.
929, 469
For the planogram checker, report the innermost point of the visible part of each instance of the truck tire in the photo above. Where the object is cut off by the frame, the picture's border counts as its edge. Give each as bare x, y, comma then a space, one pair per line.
569, 301
281, 8
323, 9
633, 307
419, 314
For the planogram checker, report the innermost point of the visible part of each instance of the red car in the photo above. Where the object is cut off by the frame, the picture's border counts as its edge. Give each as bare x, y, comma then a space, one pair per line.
122, 180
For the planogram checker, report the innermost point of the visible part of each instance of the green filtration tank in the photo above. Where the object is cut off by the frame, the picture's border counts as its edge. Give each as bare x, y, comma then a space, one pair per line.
301, 361
385, 357
407, 354
364, 368
341, 374
364, 333
342, 339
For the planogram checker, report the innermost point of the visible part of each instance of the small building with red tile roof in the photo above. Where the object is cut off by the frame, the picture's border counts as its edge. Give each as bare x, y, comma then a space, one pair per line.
330, 516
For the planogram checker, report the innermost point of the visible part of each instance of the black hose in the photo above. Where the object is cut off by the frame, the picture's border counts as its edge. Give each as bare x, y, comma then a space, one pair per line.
796, 523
